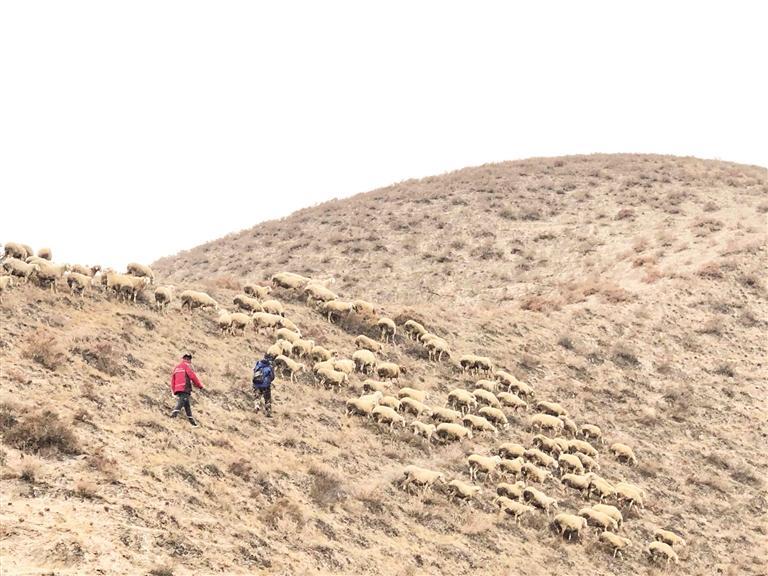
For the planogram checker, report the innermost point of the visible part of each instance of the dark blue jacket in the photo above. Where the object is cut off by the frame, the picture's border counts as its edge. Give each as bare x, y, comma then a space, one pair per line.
263, 374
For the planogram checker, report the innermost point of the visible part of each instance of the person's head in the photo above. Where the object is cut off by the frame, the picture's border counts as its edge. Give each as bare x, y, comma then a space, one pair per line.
187, 357
269, 358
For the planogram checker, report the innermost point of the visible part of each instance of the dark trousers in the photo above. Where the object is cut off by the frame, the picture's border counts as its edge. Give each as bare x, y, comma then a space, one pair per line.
265, 393
183, 402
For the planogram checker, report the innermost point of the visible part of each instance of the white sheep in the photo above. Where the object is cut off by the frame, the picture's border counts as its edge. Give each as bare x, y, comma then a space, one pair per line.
85, 270
547, 444
344, 365
668, 537
516, 509
387, 328
285, 364
600, 519
494, 415
570, 524
45, 254
16, 250
363, 308
479, 423
365, 343
389, 370
318, 293
611, 511
616, 542
463, 491
533, 472
373, 385
365, 361
363, 405
319, 354
289, 280
390, 401
600, 486
192, 299
511, 450
589, 464
538, 457
490, 385
592, 432
569, 462
486, 398
583, 447
422, 429
419, 395
569, 426
623, 452
445, 415
546, 422
450, 431
288, 334
302, 347
552, 408
78, 283
627, 493
411, 406
539, 499
462, 400
142, 271
658, 549
484, 464
437, 348
335, 309
163, 297
514, 491
126, 285
330, 376
413, 329
224, 321
577, 481
414, 475
273, 307
257, 291
513, 466
48, 273
386, 415
244, 302
240, 322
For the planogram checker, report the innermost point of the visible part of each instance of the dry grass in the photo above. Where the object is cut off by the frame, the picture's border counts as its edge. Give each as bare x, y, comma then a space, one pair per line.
44, 348
40, 432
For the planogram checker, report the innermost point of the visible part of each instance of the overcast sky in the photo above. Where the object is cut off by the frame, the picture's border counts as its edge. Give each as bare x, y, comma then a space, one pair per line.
133, 130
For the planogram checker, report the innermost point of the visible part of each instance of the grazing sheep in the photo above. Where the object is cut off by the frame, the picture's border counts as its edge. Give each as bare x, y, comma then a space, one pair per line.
479, 423
287, 323
616, 542
489, 385
483, 364
45, 254
419, 395
583, 447
511, 400
516, 509
414, 329
51, 274
289, 280
224, 321
192, 299
539, 499
285, 346
344, 365
411, 406
486, 398
521, 389
317, 293
590, 465
504, 378
462, 400
422, 429
569, 462
373, 385
467, 362
534, 473
658, 550
577, 481
511, 450
365, 343
125, 285
569, 426
387, 328
285, 364
335, 309
85, 270
386, 415
445, 415
611, 511
484, 464
437, 348
78, 283
623, 452
5, 283
627, 493
287, 334
247, 303
302, 348
546, 422
514, 491
599, 519
142, 271
570, 524
363, 405
600, 486
363, 308
667, 537
450, 431
463, 491
592, 432
365, 361
494, 415
390, 401
15, 250
163, 297
257, 291
537, 456
320, 354
552, 408
513, 467
275, 350
414, 475
546, 444
240, 322
389, 370
332, 377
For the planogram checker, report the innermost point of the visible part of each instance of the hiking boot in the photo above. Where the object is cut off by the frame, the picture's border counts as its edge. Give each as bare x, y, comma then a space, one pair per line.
174, 413
192, 421
269, 414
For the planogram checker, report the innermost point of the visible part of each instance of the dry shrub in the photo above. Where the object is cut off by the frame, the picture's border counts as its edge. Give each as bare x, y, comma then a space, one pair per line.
725, 369
706, 226
713, 327
15, 375
282, 514
566, 342
161, 571
624, 356
710, 270
103, 356
39, 432
653, 274
228, 282
44, 348
101, 462
29, 470
750, 280
86, 490
327, 489
241, 468
625, 214
542, 304
614, 294
681, 401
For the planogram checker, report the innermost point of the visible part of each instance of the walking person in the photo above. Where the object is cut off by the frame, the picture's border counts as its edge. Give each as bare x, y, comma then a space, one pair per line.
182, 379
263, 375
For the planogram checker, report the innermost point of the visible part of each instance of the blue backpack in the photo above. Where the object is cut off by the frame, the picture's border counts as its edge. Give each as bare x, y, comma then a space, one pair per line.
263, 374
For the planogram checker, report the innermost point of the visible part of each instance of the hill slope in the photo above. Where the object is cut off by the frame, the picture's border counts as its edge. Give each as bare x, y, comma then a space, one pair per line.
627, 288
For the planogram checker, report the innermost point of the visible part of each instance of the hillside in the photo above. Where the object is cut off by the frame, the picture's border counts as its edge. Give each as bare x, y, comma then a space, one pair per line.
630, 289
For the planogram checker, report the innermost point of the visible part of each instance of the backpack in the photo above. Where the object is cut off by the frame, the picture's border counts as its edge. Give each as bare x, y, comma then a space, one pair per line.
258, 372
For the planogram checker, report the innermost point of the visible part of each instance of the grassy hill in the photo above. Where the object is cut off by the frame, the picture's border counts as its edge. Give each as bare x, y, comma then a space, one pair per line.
630, 289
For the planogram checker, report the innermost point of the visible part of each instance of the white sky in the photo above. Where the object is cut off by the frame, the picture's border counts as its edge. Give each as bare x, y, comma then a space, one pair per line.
132, 130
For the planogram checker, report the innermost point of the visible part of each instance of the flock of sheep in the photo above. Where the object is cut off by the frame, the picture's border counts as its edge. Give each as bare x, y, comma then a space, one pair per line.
560, 453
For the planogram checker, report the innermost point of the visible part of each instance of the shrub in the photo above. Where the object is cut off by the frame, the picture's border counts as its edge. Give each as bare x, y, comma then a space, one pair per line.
29, 470
102, 356
43, 348
227, 282
326, 490
161, 571
241, 468
41, 432
85, 490
624, 357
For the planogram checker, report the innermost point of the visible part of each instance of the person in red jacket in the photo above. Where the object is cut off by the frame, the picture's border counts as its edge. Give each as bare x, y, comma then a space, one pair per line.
182, 379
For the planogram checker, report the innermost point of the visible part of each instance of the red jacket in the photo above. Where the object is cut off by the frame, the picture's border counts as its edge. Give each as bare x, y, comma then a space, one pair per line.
183, 377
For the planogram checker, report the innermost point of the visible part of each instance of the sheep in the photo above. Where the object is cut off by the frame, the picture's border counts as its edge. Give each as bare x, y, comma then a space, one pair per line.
600, 486
483, 364
247, 303
363, 405
414, 329
142, 271
422, 429
240, 322
15, 250
479, 423
627, 493
668, 537
569, 462
48, 273
494, 415
513, 467
592, 432
192, 299
362, 307
365, 361
419, 395
437, 348
131, 286
511, 400
599, 519
45, 254
445, 415
463, 491
78, 283
611, 511
365, 343
287, 334
224, 321
319, 354
504, 378
414, 475
85, 270
19, 268
285, 346
257, 291
344, 365
618, 543
658, 549
285, 364
335, 308
569, 426
533, 472
511, 450
537, 456
467, 362
521, 389
514, 491
462, 400
486, 398
623, 452
552, 408
569, 523
373, 385
289, 280
163, 297
589, 464
583, 447
329, 375
545, 422
301, 348
451, 431
389, 370
390, 401
287, 323
318, 293
484, 464
273, 307
577, 481
489, 385
386, 415
387, 329
539, 499
5, 283
411, 406
546, 444
275, 350
516, 509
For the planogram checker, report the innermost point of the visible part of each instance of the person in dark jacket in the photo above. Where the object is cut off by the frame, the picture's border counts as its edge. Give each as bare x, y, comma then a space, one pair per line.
182, 379
263, 375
